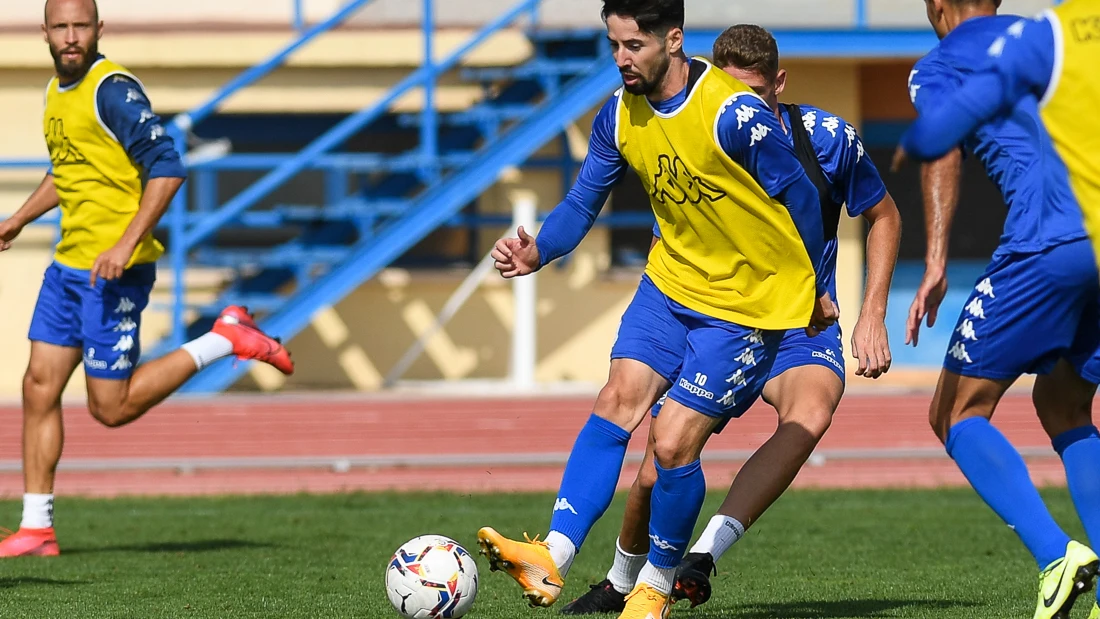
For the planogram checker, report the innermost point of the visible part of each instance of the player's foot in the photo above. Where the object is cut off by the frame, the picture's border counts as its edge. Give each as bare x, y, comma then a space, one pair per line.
529, 563
249, 342
1095, 614
693, 578
601, 598
1065, 579
30, 543
645, 602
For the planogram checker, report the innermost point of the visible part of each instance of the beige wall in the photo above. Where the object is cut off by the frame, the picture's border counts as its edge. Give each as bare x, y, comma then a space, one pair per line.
354, 344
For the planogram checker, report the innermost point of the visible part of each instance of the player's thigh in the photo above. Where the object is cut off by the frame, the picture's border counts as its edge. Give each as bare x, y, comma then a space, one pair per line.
806, 395
55, 335
112, 329
1063, 399
57, 313
48, 371
680, 433
798, 351
960, 397
647, 355
1023, 313
724, 370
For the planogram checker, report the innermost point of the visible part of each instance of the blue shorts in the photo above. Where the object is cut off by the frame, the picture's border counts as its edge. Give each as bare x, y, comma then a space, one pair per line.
104, 321
799, 350
1026, 312
715, 367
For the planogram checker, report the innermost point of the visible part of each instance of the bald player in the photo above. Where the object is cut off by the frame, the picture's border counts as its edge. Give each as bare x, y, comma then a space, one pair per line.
113, 173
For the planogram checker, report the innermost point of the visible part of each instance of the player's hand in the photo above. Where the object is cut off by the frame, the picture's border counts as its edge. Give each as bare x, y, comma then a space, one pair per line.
516, 256
901, 158
871, 347
825, 315
932, 289
111, 263
9, 229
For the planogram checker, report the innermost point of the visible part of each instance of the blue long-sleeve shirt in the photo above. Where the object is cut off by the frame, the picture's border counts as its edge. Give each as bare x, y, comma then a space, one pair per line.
1018, 63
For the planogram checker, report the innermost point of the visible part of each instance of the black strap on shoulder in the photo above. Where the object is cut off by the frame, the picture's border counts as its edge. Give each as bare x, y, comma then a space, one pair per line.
807, 156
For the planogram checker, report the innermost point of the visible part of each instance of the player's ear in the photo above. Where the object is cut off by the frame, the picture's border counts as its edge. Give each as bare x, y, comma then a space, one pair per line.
674, 40
780, 82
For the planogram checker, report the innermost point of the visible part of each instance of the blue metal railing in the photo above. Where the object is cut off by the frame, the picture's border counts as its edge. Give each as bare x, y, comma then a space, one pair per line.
861, 14
299, 18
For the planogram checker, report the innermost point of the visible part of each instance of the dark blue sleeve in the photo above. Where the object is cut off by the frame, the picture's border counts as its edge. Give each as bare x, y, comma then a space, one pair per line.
604, 166
1018, 64
127, 113
749, 133
852, 174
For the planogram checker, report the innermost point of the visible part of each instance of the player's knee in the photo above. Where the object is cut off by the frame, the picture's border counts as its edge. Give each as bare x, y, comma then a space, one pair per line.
110, 414
671, 452
40, 392
622, 404
815, 420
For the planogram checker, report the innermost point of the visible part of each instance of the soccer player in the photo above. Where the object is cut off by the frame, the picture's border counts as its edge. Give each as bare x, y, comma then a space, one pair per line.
740, 261
1042, 280
113, 173
806, 383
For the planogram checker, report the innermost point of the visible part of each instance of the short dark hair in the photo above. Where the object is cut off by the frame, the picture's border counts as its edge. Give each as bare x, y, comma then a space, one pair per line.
655, 17
995, 3
749, 48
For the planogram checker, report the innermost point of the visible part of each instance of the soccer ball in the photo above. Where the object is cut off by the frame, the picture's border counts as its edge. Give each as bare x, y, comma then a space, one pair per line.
431, 577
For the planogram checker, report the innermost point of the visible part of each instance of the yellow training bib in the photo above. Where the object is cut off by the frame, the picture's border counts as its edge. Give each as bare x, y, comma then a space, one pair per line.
728, 250
98, 185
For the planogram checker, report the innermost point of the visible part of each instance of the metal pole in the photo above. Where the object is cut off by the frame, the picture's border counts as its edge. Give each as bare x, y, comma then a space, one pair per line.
299, 18
524, 295
428, 120
455, 303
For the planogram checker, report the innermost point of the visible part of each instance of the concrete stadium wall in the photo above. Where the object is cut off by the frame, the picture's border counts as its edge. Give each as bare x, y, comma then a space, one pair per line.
450, 13
355, 343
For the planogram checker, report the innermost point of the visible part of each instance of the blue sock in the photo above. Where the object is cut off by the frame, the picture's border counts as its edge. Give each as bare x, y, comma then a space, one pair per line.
591, 475
674, 508
996, 470
1080, 452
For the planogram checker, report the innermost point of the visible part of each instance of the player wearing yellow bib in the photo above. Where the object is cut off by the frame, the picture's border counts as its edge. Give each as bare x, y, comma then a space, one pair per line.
739, 262
114, 171
1048, 64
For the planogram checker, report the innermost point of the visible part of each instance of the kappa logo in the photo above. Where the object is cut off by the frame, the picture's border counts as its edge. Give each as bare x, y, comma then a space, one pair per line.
125, 306
675, 183
662, 544
123, 363
125, 344
61, 148
562, 505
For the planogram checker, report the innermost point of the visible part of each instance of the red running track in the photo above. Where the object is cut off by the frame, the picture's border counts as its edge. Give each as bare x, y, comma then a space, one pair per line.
298, 427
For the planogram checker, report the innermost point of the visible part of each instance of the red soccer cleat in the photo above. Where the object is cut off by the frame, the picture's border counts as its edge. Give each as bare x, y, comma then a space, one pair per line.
30, 543
249, 342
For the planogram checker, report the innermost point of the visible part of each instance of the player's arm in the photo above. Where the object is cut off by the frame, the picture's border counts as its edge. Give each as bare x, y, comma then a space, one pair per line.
127, 113
38, 204
931, 91
571, 220
1019, 63
855, 177
759, 146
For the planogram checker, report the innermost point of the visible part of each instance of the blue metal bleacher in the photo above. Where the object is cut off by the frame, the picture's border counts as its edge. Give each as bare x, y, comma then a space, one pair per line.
288, 261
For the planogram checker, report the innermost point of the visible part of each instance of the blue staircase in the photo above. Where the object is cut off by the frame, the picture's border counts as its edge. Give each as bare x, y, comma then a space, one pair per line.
289, 261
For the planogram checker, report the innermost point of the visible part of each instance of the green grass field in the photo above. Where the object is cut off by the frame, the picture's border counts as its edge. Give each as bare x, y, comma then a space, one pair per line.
832, 554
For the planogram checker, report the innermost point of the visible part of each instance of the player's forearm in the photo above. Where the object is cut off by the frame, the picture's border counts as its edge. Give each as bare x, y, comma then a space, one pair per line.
39, 203
940, 185
883, 241
154, 203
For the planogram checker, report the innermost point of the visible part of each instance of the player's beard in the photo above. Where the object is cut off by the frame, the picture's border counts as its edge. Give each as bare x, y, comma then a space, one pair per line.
646, 84
73, 71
